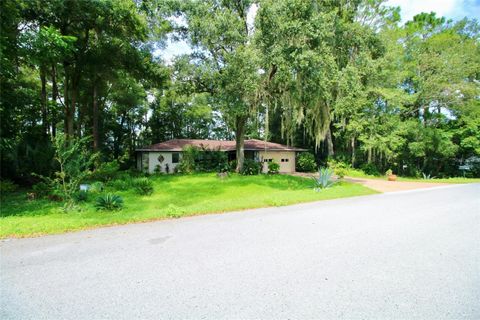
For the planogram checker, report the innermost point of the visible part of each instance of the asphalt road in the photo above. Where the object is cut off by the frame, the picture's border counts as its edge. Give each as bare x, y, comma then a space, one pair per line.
406, 255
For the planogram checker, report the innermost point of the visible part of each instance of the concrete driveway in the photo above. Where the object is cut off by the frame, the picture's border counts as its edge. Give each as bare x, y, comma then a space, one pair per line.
393, 186
383, 185
405, 255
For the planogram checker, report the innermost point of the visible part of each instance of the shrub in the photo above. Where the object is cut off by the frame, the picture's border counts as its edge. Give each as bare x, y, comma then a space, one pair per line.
202, 160
97, 187
339, 168
143, 186
474, 164
130, 173
306, 162
41, 189
324, 179
106, 171
109, 202
389, 172
232, 165
121, 184
81, 196
251, 167
7, 186
209, 160
58, 198
187, 163
74, 160
370, 169
273, 167
223, 167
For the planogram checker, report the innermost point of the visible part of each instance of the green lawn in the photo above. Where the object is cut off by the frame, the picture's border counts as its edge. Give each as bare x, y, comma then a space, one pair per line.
355, 173
174, 196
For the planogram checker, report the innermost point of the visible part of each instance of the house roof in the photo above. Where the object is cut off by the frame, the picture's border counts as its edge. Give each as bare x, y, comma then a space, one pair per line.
222, 145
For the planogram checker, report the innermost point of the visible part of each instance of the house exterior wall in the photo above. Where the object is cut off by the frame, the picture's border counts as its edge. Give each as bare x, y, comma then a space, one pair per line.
167, 160
286, 166
148, 161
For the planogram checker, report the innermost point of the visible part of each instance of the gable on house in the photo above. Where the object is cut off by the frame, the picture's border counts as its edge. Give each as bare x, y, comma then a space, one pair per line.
166, 155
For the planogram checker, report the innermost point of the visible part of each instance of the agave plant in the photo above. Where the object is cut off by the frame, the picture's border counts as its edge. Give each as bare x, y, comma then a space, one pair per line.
109, 202
427, 176
324, 179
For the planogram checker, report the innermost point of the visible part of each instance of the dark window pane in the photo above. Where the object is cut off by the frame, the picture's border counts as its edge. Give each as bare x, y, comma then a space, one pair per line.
175, 157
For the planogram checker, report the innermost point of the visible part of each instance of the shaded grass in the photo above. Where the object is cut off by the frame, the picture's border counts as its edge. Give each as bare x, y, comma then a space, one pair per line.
174, 196
355, 173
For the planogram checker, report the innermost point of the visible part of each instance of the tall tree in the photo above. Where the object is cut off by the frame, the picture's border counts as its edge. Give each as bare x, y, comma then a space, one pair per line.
319, 51
223, 39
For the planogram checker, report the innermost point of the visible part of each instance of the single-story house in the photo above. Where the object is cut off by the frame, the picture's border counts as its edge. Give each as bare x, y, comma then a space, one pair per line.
168, 154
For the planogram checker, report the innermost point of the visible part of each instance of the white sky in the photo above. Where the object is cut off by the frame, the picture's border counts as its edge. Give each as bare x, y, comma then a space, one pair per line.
451, 9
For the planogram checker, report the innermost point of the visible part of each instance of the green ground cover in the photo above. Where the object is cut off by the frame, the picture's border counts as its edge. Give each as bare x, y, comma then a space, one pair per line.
173, 196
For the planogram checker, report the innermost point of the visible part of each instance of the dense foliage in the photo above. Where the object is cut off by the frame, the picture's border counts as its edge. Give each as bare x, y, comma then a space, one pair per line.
251, 167
306, 162
273, 167
73, 162
345, 79
202, 160
143, 186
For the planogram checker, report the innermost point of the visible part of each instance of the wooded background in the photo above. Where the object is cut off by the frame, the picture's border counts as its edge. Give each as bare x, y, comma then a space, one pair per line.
345, 79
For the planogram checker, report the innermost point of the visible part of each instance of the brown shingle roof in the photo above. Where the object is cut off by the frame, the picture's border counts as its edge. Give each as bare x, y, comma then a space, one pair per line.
222, 145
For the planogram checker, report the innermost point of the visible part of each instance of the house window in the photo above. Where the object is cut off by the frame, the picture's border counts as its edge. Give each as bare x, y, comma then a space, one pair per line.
267, 160
285, 160
175, 157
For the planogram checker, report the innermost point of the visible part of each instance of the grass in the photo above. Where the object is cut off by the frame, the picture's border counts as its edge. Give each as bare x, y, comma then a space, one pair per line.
173, 196
442, 180
355, 173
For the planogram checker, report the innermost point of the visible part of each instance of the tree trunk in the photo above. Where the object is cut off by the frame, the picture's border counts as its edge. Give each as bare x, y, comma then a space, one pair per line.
66, 90
43, 100
70, 117
240, 141
329, 139
96, 137
71, 104
72, 110
54, 100
353, 152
